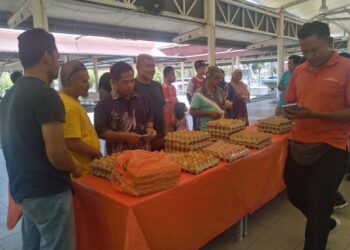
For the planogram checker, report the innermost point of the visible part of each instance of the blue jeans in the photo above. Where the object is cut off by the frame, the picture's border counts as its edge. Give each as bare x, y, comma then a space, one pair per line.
48, 222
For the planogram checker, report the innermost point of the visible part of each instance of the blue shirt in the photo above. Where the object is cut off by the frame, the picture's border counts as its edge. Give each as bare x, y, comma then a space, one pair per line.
284, 82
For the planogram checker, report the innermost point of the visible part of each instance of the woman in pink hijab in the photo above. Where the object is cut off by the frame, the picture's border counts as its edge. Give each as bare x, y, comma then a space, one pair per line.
239, 110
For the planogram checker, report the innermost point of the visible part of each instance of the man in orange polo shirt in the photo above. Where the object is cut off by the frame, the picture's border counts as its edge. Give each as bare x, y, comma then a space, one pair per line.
317, 153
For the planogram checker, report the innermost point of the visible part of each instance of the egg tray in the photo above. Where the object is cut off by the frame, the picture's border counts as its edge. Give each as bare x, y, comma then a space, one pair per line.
187, 137
217, 136
172, 146
101, 172
252, 139
226, 151
195, 162
225, 126
201, 168
259, 145
275, 130
275, 125
103, 167
212, 131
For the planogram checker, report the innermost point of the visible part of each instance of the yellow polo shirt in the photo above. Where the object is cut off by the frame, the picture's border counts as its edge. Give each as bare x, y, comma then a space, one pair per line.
78, 125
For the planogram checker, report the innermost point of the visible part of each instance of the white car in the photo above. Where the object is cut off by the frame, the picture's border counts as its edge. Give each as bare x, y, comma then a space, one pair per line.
271, 82
180, 86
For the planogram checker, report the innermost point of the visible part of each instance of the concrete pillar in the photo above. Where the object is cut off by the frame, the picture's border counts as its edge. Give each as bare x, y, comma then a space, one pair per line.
348, 45
94, 61
39, 14
280, 47
210, 14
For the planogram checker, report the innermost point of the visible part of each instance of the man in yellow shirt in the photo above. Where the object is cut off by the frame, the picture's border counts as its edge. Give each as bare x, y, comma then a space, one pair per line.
79, 133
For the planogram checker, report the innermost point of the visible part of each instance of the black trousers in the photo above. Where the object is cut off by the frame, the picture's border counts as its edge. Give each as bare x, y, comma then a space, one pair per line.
312, 190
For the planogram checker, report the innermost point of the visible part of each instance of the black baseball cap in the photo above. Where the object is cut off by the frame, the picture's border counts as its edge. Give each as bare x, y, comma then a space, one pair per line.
200, 63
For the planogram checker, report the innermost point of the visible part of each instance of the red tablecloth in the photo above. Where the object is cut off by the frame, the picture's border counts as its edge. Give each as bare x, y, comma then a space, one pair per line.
185, 217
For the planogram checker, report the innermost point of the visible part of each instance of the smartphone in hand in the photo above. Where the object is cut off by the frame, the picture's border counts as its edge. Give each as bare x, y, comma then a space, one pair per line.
291, 106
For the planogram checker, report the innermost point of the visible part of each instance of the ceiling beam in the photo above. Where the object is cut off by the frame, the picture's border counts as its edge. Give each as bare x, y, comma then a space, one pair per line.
21, 14
335, 11
264, 44
338, 18
339, 25
291, 4
191, 35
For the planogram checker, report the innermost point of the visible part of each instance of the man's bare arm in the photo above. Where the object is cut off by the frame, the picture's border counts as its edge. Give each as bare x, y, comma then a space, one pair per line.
56, 149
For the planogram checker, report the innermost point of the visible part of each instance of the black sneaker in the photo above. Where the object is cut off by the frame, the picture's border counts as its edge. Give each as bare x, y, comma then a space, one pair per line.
334, 225
339, 201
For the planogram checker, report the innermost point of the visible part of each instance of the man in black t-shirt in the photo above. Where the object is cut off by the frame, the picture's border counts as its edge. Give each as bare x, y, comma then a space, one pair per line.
37, 160
153, 92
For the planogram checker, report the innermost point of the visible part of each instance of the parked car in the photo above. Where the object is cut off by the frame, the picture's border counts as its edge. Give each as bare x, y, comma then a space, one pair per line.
180, 86
271, 82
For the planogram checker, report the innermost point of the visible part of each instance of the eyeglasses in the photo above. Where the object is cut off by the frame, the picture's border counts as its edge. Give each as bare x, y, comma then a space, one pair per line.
78, 67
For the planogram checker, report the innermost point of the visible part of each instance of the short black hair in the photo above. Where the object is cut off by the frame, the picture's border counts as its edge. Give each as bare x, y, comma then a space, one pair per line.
104, 82
314, 28
118, 69
15, 75
345, 54
296, 59
32, 44
167, 70
180, 109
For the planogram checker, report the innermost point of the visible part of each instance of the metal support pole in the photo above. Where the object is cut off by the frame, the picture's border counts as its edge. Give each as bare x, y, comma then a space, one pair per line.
39, 14
94, 61
210, 13
238, 62
161, 68
65, 59
182, 66
280, 47
133, 65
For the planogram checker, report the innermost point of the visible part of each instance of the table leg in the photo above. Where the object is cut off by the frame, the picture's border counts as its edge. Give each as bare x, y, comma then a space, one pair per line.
239, 230
245, 225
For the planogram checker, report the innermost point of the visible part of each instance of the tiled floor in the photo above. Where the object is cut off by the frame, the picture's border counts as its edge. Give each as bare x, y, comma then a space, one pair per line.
276, 226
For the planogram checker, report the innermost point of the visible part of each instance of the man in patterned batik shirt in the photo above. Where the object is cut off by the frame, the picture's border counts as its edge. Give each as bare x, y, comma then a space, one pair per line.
124, 118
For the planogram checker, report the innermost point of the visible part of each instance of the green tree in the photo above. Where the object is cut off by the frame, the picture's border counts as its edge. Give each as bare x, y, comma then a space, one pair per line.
5, 83
157, 76
92, 78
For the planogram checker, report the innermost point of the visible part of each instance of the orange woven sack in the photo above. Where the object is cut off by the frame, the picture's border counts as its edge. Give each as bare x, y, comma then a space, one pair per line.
141, 172
14, 213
